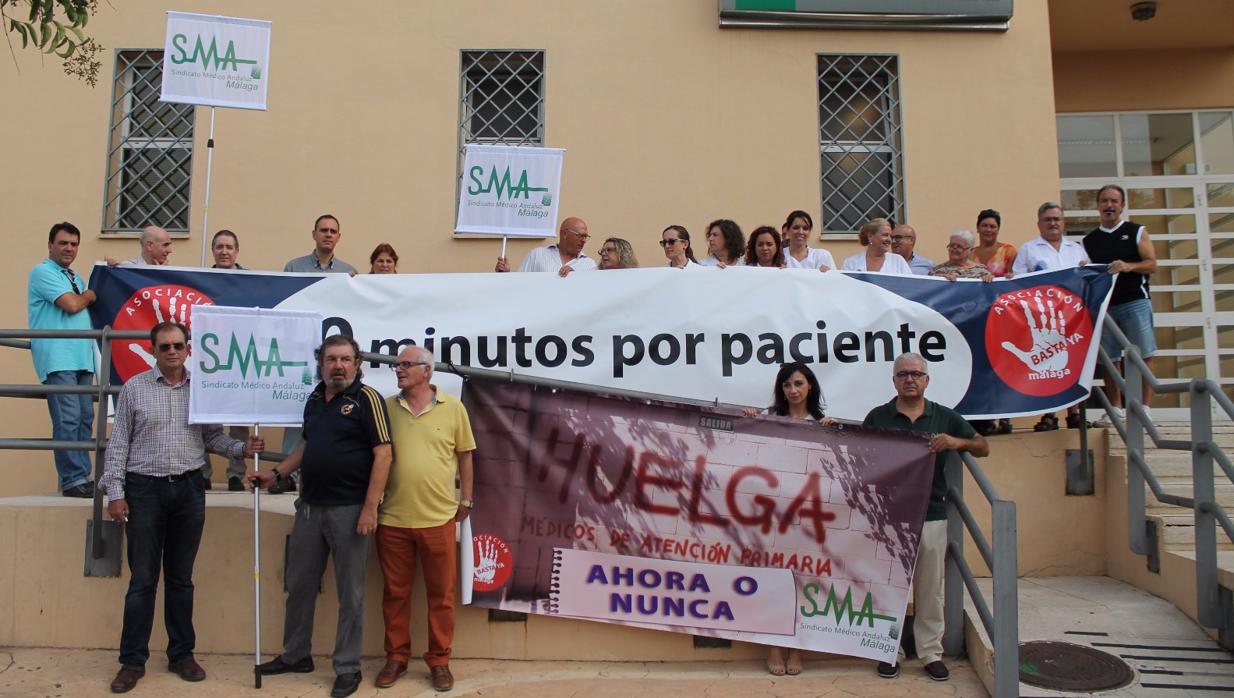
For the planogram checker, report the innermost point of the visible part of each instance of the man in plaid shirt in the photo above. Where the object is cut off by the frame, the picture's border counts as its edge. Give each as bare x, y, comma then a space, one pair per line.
154, 485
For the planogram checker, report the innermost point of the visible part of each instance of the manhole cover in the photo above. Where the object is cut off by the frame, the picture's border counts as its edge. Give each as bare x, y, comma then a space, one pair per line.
1068, 667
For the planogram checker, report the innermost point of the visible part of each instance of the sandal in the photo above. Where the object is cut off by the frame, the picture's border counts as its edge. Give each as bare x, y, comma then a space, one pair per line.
1048, 423
775, 662
1073, 420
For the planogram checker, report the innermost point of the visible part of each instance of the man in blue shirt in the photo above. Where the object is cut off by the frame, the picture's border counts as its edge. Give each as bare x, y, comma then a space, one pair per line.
57, 301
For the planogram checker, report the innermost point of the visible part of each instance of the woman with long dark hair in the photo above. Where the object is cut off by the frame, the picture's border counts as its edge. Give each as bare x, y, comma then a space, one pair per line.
765, 248
797, 395
797, 251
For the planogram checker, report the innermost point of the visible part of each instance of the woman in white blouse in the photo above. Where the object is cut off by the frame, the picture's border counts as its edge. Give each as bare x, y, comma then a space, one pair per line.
797, 251
875, 236
676, 243
725, 243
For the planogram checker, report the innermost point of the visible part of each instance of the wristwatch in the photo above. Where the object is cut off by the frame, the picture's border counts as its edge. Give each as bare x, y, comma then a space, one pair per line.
469, 503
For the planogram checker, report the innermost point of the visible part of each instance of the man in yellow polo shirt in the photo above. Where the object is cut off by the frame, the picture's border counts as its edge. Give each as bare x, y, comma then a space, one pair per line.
432, 444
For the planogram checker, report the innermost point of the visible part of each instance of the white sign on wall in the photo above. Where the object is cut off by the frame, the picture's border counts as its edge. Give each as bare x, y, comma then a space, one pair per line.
510, 191
252, 365
216, 61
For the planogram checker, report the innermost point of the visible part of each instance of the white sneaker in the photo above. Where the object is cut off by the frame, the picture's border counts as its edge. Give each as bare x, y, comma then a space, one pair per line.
1104, 421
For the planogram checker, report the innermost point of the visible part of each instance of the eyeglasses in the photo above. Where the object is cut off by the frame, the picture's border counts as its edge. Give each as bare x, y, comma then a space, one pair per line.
72, 280
577, 234
408, 364
167, 346
666, 243
898, 238
958, 247
915, 375
1052, 219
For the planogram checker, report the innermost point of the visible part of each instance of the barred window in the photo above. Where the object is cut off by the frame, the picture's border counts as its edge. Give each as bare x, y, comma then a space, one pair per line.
150, 150
860, 140
501, 99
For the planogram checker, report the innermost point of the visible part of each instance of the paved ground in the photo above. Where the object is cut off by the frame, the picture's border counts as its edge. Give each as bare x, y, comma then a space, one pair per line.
71, 673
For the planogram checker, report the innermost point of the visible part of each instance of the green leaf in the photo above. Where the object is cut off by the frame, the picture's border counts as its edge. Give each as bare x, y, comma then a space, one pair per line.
58, 38
25, 36
78, 33
46, 33
69, 48
34, 9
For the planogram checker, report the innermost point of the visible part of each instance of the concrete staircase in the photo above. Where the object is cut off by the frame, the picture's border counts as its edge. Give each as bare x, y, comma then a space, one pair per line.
1175, 525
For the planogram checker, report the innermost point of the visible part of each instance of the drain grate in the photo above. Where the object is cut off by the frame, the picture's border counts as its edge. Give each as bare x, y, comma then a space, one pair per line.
1067, 667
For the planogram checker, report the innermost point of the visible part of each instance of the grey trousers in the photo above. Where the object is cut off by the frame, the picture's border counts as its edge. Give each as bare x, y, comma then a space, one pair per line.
320, 531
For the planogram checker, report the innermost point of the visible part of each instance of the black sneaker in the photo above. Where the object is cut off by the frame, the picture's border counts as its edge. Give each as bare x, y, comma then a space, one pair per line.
937, 670
890, 671
278, 666
85, 491
235, 484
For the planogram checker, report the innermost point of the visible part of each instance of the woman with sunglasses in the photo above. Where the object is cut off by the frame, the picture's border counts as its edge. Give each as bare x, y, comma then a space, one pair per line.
796, 394
797, 252
676, 243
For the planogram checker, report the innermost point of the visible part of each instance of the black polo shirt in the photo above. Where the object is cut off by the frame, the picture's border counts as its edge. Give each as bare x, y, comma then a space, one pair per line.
339, 437
936, 419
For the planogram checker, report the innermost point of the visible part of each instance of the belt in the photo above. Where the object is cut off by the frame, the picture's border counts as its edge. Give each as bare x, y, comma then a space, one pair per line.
168, 478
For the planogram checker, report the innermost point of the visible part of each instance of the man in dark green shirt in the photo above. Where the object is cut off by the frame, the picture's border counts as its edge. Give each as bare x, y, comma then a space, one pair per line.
911, 410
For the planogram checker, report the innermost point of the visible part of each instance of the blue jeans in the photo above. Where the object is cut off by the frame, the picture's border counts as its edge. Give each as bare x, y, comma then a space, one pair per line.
72, 419
164, 530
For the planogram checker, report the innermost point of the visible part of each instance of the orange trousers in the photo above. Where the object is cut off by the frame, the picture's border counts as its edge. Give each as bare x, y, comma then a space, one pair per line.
397, 550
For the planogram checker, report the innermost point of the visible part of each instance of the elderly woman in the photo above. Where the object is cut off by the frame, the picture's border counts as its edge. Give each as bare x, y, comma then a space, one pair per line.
725, 244
960, 264
384, 260
764, 248
875, 236
617, 253
996, 256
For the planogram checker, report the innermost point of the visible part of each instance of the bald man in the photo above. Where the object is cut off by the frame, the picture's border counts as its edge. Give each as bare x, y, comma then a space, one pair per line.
564, 257
155, 249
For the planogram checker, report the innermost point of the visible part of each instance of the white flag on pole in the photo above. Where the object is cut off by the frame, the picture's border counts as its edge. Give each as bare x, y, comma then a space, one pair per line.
510, 191
251, 365
216, 61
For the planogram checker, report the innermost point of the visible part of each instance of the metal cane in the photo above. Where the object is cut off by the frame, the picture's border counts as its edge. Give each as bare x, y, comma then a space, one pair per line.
256, 569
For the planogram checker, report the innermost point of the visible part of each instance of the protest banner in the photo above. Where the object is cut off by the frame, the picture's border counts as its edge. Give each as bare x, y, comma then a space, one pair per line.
216, 61
1010, 348
510, 191
676, 517
252, 365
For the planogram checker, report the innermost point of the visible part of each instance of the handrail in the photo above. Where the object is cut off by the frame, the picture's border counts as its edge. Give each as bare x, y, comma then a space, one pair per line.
1208, 512
1003, 624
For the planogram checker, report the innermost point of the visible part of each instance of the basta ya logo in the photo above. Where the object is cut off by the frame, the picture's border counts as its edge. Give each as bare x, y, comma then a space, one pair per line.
493, 562
1037, 339
144, 309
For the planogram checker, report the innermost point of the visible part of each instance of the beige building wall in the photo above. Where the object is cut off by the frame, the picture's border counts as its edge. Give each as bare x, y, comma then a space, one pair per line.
1143, 80
665, 118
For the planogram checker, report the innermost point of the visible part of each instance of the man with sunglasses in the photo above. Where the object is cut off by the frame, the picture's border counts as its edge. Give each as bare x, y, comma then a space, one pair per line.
154, 486
57, 301
910, 409
564, 257
433, 444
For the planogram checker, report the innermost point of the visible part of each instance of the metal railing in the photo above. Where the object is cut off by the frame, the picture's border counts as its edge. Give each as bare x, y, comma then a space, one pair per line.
999, 554
1213, 607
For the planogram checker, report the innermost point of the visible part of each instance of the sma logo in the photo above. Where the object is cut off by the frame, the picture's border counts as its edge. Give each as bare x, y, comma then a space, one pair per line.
246, 357
209, 56
502, 185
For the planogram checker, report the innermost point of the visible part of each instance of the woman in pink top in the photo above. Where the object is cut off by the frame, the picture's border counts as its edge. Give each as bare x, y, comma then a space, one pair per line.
996, 256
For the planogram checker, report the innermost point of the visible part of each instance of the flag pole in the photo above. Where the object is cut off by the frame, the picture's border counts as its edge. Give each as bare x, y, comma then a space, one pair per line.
205, 209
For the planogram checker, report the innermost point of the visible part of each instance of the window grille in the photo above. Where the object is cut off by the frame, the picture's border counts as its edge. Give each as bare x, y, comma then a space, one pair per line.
860, 140
501, 98
150, 150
